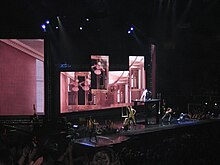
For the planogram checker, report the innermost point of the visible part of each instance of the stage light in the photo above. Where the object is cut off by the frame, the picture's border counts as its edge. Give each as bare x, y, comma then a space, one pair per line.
129, 31
206, 103
80, 28
132, 28
57, 27
47, 22
43, 26
216, 104
87, 19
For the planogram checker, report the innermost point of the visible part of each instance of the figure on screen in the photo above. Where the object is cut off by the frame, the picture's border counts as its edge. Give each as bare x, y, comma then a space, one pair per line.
146, 95
98, 68
85, 85
75, 84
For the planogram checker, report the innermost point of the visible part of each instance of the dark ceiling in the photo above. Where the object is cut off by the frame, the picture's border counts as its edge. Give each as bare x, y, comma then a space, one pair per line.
154, 18
186, 32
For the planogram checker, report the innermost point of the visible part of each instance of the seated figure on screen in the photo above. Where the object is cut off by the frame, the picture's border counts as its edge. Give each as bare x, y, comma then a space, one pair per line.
146, 95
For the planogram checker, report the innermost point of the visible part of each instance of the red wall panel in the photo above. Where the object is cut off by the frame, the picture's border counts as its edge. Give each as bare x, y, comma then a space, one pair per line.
17, 81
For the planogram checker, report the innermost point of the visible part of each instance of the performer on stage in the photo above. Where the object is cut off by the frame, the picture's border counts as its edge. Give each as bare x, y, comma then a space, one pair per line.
183, 117
35, 122
130, 119
91, 124
131, 115
168, 113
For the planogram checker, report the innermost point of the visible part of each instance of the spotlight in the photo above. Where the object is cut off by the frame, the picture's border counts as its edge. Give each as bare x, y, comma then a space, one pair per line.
87, 19
216, 104
132, 28
57, 27
206, 103
80, 28
129, 31
47, 22
43, 26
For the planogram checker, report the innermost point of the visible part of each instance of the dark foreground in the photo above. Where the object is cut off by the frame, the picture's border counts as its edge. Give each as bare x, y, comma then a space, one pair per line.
186, 142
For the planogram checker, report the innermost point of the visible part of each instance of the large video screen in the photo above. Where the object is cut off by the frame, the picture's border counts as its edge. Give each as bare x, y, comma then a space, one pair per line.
21, 77
100, 88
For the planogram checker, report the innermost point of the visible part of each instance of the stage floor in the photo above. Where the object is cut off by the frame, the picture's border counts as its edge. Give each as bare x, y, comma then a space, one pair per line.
139, 129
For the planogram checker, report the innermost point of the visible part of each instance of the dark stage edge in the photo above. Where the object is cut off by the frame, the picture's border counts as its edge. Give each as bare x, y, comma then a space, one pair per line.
138, 130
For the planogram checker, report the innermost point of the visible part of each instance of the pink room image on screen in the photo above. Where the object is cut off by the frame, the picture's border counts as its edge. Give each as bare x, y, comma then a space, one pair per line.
21, 76
100, 88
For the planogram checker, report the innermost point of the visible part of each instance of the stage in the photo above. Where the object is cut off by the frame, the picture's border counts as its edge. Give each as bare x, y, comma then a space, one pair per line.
189, 141
139, 129
153, 143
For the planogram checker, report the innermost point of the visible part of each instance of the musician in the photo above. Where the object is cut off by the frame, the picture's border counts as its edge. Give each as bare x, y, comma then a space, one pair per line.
146, 95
